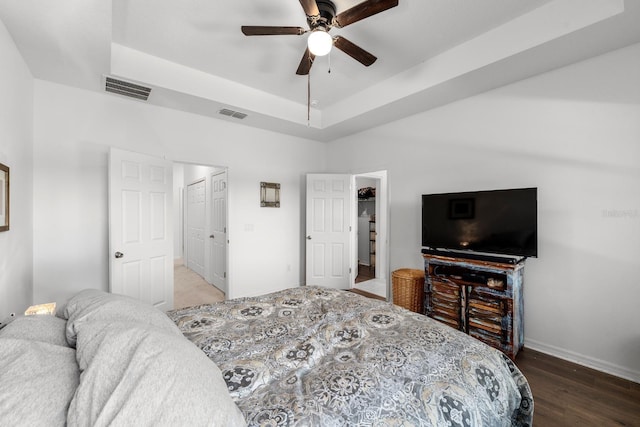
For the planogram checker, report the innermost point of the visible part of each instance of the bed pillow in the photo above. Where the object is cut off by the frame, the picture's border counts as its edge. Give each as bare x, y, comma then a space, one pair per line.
41, 328
93, 304
134, 373
38, 381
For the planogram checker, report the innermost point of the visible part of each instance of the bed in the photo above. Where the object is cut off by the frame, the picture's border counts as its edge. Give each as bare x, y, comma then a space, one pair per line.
317, 356
300, 357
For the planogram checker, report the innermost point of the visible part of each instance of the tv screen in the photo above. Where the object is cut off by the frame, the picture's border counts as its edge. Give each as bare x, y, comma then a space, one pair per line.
502, 222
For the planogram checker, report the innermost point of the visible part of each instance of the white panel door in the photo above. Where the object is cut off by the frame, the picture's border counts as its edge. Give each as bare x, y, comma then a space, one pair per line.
218, 236
140, 232
328, 230
196, 226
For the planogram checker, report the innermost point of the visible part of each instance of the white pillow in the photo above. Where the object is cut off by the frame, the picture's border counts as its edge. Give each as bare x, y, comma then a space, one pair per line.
136, 374
93, 304
43, 328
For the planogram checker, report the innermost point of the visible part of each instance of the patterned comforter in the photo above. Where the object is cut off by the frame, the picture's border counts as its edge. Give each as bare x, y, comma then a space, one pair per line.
315, 356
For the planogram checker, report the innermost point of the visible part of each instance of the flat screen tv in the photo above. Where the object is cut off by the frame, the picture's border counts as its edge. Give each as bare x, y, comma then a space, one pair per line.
500, 222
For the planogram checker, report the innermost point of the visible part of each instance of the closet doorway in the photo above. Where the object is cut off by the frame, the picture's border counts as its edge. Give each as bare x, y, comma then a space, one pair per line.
371, 223
366, 227
200, 241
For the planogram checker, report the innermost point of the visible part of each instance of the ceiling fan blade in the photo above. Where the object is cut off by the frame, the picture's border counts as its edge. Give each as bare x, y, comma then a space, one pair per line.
354, 51
310, 7
305, 63
363, 10
255, 30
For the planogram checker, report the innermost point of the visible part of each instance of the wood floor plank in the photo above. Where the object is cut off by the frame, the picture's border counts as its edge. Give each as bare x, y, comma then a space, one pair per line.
568, 394
366, 294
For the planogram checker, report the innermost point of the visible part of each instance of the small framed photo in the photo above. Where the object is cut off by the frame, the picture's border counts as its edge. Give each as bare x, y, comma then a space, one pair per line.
461, 208
269, 195
4, 197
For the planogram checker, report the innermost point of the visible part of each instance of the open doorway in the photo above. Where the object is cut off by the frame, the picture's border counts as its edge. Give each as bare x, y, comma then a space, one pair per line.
200, 244
366, 228
371, 234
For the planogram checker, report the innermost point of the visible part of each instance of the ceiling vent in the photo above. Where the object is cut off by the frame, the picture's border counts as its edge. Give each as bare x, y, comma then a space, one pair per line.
231, 113
131, 90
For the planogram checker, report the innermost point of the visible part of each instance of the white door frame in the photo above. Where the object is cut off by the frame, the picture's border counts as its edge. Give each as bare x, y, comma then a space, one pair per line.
382, 230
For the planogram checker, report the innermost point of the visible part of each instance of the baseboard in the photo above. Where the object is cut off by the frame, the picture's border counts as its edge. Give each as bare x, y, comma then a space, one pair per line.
597, 364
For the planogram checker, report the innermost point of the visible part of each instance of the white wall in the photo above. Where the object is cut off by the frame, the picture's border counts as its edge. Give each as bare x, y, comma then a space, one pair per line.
73, 131
575, 134
16, 152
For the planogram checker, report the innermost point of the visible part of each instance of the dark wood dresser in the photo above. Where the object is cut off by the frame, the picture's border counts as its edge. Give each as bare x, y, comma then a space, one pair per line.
481, 298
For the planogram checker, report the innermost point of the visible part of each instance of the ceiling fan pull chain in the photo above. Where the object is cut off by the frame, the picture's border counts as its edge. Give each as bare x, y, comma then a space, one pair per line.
309, 99
329, 59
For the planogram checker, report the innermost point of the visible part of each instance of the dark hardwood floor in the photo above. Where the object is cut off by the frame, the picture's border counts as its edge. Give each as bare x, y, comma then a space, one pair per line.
567, 394
365, 272
366, 294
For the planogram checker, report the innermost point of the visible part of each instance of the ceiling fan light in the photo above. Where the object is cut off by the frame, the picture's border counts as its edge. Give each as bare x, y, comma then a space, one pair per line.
319, 42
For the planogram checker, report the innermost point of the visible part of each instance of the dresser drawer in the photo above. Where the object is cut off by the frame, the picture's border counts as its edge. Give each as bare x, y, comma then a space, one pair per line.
445, 288
485, 322
489, 306
447, 310
445, 318
494, 340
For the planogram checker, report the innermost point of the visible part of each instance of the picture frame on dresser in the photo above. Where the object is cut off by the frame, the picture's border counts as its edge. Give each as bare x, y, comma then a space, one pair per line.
4, 197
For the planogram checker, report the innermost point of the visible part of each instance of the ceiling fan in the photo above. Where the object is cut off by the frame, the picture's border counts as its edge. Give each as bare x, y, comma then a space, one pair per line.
321, 17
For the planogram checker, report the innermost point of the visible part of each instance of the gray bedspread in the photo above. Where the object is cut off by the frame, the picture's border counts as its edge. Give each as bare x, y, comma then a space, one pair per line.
316, 356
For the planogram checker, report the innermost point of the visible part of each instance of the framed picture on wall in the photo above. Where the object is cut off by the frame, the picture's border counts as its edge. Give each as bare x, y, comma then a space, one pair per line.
269, 195
4, 197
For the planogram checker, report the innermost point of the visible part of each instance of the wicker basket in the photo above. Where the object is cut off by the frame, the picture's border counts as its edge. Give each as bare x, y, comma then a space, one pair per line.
408, 289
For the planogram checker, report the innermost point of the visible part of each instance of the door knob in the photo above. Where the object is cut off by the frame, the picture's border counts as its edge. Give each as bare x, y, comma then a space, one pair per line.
308, 237
119, 254
211, 236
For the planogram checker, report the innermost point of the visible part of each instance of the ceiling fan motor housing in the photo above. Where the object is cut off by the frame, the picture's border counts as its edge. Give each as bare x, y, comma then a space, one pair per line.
327, 13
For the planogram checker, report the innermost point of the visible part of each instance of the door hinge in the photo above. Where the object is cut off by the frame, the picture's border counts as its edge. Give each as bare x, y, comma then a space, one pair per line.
225, 275
349, 270
349, 228
225, 229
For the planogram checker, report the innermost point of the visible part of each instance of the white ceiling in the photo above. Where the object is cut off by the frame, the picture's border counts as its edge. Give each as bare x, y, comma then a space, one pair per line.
194, 57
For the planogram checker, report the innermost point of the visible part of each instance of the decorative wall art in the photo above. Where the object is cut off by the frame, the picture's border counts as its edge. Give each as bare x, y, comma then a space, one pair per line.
269, 195
4, 197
